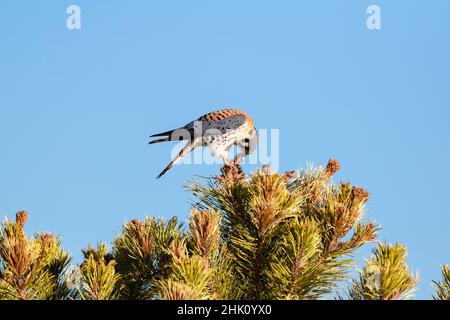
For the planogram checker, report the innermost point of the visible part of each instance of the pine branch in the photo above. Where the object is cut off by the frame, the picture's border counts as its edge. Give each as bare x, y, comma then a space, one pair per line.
98, 274
142, 256
30, 268
204, 233
272, 223
443, 287
18, 255
386, 276
262, 236
189, 275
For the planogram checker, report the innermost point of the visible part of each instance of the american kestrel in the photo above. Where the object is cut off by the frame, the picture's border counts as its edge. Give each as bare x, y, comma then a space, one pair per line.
217, 130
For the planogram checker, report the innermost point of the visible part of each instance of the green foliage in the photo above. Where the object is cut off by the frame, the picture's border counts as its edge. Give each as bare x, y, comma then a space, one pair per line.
443, 287
190, 275
98, 275
31, 268
385, 276
284, 233
142, 255
262, 236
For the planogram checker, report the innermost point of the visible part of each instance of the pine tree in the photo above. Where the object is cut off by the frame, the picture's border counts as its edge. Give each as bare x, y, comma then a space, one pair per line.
385, 276
98, 275
283, 235
263, 236
31, 268
143, 256
443, 287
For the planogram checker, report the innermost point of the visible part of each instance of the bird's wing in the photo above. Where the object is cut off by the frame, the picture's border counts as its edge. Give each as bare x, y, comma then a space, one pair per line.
187, 148
219, 125
222, 120
225, 113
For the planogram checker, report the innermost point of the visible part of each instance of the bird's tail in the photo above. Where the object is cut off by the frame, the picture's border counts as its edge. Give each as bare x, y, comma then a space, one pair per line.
160, 140
162, 134
167, 137
173, 135
188, 148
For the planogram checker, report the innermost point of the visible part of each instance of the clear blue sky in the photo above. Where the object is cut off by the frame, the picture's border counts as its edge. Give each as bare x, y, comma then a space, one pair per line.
77, 107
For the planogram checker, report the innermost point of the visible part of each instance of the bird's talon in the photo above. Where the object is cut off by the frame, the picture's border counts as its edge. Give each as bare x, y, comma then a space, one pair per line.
238, 159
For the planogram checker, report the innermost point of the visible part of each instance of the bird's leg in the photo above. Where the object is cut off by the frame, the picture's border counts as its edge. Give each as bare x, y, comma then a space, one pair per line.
225, 160
238, 158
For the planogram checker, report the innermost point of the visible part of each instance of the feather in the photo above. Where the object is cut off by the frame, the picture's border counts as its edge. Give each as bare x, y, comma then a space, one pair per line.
188, 148
162, 134
160, 140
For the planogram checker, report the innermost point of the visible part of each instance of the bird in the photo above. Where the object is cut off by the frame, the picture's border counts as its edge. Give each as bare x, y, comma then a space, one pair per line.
218, 130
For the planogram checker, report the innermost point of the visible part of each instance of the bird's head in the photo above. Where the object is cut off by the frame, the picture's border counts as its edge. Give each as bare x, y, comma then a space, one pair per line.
249, 142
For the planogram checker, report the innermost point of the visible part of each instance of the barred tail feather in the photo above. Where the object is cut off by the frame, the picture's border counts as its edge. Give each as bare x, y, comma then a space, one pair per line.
162, 134
160, 140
